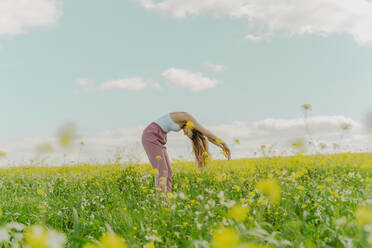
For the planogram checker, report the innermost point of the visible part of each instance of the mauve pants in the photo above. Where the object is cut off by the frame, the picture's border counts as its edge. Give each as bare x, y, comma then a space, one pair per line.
153, 141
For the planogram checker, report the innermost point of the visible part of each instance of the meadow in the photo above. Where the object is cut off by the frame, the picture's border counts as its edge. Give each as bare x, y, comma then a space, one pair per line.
297, 201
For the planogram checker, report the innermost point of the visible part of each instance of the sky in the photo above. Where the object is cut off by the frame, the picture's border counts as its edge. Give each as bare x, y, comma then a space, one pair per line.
242, 68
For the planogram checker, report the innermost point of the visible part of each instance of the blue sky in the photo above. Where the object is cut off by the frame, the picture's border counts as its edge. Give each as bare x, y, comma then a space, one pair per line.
116, 39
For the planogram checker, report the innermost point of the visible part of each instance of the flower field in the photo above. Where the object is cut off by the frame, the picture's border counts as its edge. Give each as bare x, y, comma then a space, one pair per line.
299, 201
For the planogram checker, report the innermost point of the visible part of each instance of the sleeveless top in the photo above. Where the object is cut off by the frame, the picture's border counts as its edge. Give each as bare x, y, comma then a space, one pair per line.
167, 124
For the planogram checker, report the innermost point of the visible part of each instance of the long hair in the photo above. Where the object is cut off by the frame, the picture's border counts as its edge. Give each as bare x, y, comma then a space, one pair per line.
200, 147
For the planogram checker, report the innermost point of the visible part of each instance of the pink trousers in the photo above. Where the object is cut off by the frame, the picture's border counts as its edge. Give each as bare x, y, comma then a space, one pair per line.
153, 141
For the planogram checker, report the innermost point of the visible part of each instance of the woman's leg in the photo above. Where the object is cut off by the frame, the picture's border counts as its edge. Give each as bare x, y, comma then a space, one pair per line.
170, 170
158, 161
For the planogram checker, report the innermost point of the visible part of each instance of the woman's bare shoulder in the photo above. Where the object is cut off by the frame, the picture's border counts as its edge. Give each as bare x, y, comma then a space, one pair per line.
180, 116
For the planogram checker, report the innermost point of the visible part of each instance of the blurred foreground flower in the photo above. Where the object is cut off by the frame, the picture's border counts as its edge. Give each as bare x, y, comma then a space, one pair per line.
363, 216
270, 188
44, 148
2, 154
112, 240
224, 238
150, 245
38, 237
238, 212
300, 145
67, 134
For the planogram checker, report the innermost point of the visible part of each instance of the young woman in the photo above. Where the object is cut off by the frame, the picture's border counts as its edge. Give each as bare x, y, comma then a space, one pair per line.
154, 138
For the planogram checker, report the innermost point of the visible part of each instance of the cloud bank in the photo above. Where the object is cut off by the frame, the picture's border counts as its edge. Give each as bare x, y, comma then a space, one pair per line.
107, 145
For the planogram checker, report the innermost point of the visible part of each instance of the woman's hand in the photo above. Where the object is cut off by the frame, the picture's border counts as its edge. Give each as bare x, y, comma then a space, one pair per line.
226, 150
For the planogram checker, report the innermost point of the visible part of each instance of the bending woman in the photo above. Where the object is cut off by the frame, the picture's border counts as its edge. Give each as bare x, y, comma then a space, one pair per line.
154, 138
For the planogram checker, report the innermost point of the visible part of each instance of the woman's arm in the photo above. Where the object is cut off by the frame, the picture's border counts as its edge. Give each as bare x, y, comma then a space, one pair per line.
210, 136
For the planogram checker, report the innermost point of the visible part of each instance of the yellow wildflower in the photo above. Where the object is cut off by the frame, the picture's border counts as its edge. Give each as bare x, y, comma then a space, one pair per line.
190, 124
236, 187
225, 237
90, 246
238, 212
270, 188
37, 237
300, 187
320, 187
363, 216
150, 245
112, 240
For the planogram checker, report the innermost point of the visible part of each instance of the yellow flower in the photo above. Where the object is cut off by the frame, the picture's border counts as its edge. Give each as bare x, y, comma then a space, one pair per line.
67, 134
328, 179
250, 245
224, 238
150, 245
154, 171
39, 192
320, 187
112, 240
218, 141
37, 237
300, 187
306, 106
90, 246
363, 216
238, 212
44, 148
158, 157
190, 124
270, 188
2, 154
237, 141
205, 154
236, 187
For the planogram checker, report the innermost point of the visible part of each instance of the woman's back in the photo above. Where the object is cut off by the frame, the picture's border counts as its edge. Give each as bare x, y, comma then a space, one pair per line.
167, 124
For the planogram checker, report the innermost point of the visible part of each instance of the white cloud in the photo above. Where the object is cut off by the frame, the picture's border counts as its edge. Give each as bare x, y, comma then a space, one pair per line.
295, 17
85, 84
133, 83
17, 16
194, 81
154, 84
214, 67
263, 37
104, 146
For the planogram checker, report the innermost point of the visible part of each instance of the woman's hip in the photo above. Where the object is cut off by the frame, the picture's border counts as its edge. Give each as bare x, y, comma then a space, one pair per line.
154, 134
